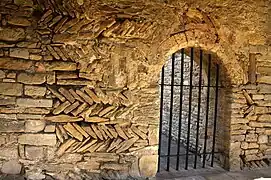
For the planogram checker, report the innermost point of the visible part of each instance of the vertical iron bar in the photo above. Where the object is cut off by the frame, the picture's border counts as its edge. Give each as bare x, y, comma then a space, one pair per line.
180, 111
207, 110
190, 106
161, 115
170, 110
215, 118
199, 103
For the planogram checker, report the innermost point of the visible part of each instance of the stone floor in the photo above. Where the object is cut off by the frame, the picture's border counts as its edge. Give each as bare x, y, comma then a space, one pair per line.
216, 174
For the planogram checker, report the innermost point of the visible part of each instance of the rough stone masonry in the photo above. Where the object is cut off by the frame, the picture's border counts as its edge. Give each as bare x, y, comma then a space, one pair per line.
79, 94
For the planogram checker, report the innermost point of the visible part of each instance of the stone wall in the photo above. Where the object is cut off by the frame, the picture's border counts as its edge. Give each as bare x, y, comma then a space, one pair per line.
79, 94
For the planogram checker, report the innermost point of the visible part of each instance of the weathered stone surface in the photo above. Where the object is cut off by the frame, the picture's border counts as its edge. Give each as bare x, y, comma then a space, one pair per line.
89, 165
23, 2
12, 34
34, 90
8, 116
96, 119
115, 166
148, 165
11, 167
265, 118
12, 89
63, 118
70, 158
264, 79
11, 126
34, 125
57, 66
71, 129
27, 102
19, 53
2, 74
34, 152
263, 139
65, 146
18, 21
14, 64
38, 139
27, 78
9, 152
50, 128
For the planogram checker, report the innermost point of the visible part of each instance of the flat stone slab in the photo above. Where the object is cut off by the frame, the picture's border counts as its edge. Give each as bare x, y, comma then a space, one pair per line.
38, 139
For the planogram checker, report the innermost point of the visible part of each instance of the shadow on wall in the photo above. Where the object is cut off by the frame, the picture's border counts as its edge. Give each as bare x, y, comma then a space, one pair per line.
199, 112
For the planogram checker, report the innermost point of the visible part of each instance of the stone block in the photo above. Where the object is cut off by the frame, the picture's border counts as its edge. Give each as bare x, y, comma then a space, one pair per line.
34, 125
34, 90
28, 78
11, 167
11, 89
15, 64
29, 116
50, 128
251, 137
57, 66
89, 165
34, 152
264, 79
264, 88
9, 152
260, 110
153, 135
148, 165
7, 100
257, 96
12, 34
19, 53
11, 126
23, 2
70, 158
262, 139
265, 118
28, 102
38, 139
115, 166
2, 74
8, 116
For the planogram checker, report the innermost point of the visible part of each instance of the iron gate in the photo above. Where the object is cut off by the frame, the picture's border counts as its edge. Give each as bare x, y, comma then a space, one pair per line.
195, 116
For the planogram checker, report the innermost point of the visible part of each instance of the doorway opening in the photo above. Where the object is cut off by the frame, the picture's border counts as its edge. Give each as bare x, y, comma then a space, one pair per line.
190, 106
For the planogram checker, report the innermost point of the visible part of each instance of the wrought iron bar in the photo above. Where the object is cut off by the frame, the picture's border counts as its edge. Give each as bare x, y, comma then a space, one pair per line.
192, 85
190, 106
207, 110
192, 154
180, 111
215, 118
199, 103
171, 109
161, 115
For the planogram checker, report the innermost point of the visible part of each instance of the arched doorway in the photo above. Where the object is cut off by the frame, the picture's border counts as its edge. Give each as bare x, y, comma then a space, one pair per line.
193, 133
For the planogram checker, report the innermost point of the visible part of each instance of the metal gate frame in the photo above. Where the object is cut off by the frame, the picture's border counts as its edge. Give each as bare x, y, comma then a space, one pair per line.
187, 154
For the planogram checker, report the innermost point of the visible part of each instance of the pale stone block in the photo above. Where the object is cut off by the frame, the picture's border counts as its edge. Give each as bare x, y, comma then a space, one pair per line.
9, 152
19, 53
257, 96
38, 139
28, 102
50, 128
2, 74
34, 90
11, 167
34, 152
28, 78
34, 125
148, 165
70, 158
262, 139
251, 137
11, 89
11, 126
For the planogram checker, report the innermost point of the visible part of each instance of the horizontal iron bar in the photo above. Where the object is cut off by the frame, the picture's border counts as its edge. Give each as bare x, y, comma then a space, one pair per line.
189, 85
175, 155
